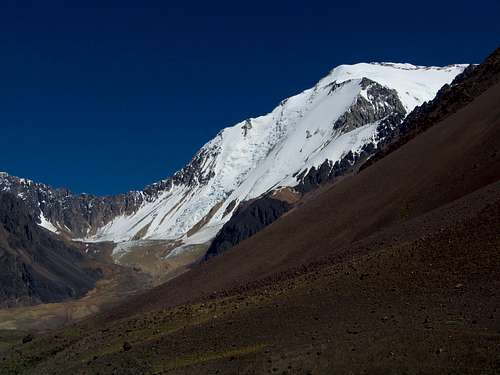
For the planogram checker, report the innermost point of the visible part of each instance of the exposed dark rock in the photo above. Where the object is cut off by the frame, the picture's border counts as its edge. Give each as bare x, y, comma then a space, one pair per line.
246, 127
229, 208
313, 177
28, 338
382, 103
246, 221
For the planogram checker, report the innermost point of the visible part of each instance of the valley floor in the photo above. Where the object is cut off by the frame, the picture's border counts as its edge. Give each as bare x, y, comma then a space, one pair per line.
144, 265
117, 284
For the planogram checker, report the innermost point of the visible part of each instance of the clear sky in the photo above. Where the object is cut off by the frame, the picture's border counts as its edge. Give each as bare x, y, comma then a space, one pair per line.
106, 96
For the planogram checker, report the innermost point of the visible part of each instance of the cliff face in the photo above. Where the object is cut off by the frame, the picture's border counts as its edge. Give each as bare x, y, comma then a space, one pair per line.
246, 221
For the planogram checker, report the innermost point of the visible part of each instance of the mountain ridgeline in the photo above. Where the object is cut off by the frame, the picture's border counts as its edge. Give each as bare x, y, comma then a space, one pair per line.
308, 139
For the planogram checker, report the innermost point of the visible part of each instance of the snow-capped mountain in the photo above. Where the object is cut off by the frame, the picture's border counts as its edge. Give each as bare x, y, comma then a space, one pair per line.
259, 154
339, 116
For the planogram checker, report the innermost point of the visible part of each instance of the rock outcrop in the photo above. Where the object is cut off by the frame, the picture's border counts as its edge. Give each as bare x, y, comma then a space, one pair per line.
247, 220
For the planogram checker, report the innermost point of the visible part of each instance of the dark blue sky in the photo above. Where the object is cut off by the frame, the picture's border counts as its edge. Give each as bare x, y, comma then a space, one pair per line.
110, 96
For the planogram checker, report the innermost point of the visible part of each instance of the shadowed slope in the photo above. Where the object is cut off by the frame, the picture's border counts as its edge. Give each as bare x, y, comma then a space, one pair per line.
37, 266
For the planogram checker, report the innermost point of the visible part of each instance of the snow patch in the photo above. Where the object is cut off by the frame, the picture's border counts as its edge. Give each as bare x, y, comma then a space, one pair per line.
44, 223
